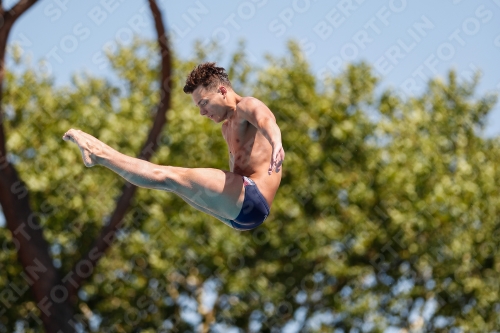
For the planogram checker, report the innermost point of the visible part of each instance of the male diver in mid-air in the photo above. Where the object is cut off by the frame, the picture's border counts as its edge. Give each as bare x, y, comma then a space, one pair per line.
241, 197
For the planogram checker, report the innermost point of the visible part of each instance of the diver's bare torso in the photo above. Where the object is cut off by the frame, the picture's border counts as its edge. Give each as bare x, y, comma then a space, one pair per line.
250, 151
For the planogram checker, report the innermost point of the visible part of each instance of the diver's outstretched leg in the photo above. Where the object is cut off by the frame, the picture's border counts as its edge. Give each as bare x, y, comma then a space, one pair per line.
210, 190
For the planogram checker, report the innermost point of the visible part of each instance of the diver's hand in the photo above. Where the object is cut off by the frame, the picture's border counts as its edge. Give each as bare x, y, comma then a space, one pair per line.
277, 158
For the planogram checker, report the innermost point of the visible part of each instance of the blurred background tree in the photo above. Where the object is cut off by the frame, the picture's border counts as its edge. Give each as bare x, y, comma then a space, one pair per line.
386, 216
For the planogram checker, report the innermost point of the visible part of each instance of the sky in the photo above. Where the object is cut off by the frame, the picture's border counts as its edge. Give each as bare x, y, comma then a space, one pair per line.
406, 41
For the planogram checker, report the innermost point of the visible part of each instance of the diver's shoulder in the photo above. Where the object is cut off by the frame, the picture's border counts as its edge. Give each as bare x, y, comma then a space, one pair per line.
249, 103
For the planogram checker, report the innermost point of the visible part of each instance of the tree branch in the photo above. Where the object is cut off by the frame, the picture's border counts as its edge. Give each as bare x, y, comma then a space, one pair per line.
17, 10
105, 239
165, 85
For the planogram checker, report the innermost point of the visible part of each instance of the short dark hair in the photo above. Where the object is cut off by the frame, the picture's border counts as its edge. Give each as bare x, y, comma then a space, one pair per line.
207, 75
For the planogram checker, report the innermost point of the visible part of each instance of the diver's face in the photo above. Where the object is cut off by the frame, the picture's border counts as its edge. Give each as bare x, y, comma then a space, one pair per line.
212, 103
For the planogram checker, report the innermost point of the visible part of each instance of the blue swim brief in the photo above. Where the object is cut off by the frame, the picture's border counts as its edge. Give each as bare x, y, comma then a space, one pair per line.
254, 210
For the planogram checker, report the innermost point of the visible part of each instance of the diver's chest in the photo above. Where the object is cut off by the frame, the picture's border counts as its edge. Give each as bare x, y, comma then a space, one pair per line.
239, 134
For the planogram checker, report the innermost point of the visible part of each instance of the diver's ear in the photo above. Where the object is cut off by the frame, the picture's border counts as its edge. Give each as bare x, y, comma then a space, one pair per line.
223, 90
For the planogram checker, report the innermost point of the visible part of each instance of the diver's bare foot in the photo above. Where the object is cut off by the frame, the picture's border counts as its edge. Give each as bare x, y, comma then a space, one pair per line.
90, 147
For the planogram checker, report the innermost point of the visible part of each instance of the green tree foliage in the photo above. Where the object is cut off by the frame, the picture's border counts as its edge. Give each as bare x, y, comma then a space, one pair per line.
377, 224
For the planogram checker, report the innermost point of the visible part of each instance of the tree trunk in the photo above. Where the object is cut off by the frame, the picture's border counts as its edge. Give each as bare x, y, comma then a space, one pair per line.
32, 249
